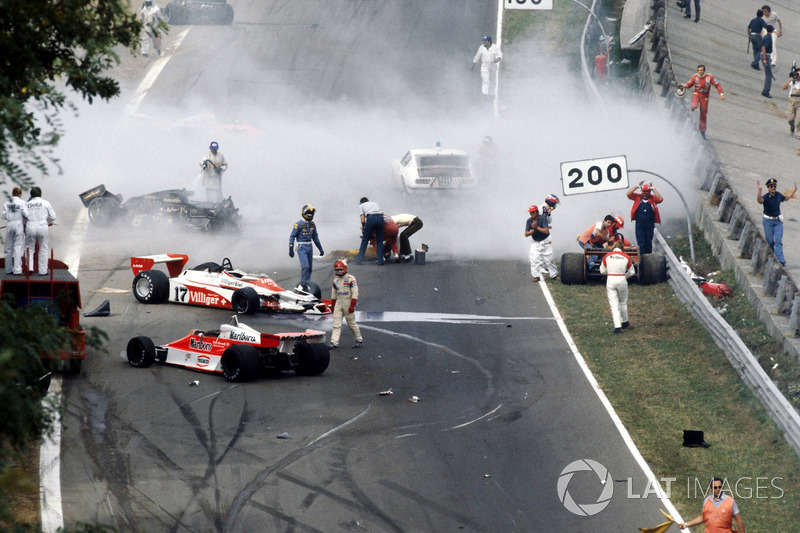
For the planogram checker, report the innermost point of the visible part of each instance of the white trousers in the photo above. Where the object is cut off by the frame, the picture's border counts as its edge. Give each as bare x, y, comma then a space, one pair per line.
541, 256
617, 290
147, 38
488, 78
15, 243
342, 309
37, 232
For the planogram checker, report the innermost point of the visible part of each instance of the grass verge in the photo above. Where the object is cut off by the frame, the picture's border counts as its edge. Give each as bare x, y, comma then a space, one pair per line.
664, 375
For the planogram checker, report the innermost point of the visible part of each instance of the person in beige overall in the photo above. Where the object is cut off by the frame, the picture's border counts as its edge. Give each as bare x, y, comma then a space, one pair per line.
344, 295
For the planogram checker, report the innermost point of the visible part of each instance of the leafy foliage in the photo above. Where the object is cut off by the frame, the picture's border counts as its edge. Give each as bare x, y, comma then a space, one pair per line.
48, 46
26, 335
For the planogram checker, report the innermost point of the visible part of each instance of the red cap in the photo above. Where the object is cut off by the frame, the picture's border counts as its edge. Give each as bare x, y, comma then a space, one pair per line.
533, 208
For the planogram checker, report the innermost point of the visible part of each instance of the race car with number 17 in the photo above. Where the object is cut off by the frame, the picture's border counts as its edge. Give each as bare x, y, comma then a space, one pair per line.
220, 285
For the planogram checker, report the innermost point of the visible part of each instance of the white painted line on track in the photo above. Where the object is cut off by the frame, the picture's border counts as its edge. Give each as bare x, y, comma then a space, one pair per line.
72, 257
626, 437
150, 77
50, 467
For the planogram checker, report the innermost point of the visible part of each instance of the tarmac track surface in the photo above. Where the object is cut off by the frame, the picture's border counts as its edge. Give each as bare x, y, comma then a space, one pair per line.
504, 406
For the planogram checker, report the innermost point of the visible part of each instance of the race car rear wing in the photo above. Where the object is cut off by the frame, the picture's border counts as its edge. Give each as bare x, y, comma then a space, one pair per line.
175, 263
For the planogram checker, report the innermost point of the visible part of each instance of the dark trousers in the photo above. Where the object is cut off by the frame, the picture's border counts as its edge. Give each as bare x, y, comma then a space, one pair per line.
696, 9
644, 236
411, 229
755, 41
305, 252
373, 225
768, 77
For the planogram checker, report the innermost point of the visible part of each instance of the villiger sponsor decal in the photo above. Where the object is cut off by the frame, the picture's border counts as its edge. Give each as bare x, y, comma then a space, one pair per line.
204, 299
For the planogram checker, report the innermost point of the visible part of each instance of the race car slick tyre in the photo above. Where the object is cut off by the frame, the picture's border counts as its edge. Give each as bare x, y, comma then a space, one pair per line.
151, 287
312, 359
141, 352
226, 15
240, 362
103, 210
652, 269
245, 301
573, 269
311, 288
73, 366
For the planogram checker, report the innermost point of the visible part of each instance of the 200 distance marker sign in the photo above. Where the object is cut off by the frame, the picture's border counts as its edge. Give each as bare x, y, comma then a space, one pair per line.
594, 175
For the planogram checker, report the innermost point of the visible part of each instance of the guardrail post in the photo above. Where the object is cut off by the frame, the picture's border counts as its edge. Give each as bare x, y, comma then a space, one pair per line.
723, 211
757, 259
712, 189
745, 241
771, 273
784, 294
794, 317
666, 91
710, 176
661, 54
736, 223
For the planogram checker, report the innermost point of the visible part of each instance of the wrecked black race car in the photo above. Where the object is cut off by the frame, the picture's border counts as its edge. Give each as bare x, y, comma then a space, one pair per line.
180, 12
171, 206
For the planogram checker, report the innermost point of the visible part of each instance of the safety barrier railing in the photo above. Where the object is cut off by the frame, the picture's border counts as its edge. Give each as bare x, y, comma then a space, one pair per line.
777, 301
739, 355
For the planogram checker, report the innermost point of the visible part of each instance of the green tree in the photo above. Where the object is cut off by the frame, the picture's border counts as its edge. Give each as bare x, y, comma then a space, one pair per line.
50, 47
26, 333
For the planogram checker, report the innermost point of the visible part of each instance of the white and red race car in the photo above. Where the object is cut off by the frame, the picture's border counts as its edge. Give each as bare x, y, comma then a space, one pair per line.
237, 351
220, 285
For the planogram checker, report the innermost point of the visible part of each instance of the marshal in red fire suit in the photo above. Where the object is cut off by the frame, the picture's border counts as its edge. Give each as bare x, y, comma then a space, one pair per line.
702, 83
390, 231
618, 267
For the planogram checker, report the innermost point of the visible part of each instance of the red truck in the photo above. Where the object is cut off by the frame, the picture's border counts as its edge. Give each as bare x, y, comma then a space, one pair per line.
59, 294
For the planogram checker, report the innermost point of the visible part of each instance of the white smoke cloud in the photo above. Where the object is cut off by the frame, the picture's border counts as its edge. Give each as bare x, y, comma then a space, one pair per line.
330, 152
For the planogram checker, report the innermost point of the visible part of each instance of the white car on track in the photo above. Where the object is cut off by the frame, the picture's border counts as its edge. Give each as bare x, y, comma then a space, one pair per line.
434, 168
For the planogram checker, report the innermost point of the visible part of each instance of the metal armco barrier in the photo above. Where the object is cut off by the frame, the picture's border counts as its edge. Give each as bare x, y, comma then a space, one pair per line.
739, 355
736, 240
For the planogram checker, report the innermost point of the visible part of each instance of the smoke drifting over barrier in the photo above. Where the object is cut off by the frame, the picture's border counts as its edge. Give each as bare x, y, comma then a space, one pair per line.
286, 148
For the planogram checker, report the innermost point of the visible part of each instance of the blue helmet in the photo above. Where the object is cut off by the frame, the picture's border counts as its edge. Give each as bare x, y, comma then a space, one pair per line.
214, 145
